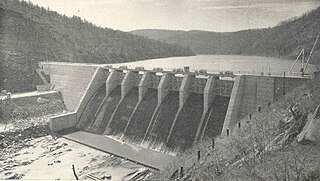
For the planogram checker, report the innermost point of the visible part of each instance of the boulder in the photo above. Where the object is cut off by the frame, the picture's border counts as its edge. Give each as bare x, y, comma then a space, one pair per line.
3, 145
311, 131
296, 126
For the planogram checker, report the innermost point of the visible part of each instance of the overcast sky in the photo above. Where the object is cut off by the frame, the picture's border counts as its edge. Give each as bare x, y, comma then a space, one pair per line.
212, 15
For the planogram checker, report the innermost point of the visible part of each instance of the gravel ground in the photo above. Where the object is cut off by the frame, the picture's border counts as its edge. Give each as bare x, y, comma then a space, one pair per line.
29, 151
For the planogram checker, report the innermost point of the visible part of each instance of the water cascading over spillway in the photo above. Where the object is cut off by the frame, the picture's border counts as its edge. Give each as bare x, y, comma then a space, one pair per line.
163, 113
166, 128
187, 123
105, 111
141, 118
88, 115
215, 116
162, 121
122, 114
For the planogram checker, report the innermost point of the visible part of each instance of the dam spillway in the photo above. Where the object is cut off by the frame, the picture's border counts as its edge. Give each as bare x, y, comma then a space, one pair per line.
107, 108
184, 131
155, 110
215, 117
124, 109
90, 111
163, 118
138, 125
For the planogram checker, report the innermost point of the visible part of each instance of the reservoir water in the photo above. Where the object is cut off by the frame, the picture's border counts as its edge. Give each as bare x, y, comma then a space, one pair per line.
215, 63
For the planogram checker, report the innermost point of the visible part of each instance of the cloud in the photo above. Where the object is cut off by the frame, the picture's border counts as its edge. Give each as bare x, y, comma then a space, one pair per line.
208, 0
251, 6
145, 1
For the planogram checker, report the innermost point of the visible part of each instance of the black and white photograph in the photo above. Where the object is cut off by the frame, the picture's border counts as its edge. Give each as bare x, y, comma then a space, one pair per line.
180, 90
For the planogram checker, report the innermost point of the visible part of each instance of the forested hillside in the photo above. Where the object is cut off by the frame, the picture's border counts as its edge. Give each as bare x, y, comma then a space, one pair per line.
285, 40
30, 33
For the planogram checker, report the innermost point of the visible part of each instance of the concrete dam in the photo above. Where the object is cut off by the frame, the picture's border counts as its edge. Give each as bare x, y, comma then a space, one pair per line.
149, 115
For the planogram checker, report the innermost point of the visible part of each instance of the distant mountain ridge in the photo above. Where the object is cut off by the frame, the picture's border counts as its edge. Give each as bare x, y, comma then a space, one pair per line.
285, 40
30, 33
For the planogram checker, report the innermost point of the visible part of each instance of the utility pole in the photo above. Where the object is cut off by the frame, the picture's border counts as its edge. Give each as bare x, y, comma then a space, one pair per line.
284, 83
5, 107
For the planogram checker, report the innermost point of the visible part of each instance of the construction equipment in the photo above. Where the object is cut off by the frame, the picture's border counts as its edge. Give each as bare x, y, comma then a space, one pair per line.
304, 65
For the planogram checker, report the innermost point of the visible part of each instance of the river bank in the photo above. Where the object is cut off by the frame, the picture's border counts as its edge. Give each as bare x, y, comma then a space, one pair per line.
32, 153
28, 150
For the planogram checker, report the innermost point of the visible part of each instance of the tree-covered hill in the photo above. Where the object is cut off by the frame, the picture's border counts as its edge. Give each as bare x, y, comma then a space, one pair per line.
285, 40
30, 33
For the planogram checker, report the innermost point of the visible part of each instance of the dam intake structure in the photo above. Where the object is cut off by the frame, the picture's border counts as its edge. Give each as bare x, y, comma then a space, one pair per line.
150, 115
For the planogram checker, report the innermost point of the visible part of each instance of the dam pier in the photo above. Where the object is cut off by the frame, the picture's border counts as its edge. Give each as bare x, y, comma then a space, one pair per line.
147, 116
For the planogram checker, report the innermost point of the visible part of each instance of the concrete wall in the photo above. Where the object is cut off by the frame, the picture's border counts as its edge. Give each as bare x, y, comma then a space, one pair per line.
285, 85
43, 76
184, 93
208, 95
185, 88
224, 87
77, 83
144, 84
234, 104
44, 88
163, 88
258, 91
71, 80
164, 85
265, 91
114, 79
251, 92
249, 96
200, 84
130, 79
63, 121
98, 79
208, 91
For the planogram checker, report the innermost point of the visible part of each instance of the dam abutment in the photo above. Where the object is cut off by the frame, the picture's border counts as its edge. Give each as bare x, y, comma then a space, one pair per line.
250, 93
76, 90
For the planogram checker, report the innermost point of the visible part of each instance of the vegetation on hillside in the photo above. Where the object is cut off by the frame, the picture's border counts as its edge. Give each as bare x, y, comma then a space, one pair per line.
265, 147
285, 40
30, 33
